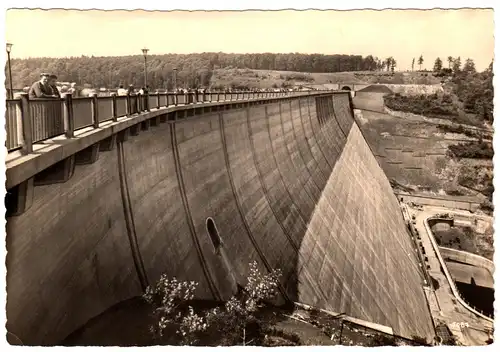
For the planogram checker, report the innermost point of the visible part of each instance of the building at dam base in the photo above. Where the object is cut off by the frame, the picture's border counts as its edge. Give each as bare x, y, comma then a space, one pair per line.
291, 184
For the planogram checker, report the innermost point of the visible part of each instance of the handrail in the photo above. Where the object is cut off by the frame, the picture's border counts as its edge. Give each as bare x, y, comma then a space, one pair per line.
447, 273
49, 118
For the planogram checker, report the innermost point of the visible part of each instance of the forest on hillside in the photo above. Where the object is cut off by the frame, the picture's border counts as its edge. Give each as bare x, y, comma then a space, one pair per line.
193, 70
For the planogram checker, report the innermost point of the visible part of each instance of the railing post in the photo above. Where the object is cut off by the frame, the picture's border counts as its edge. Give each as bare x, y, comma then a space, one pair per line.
175, 99
158, 100
95, 111
26, 125
129, 107
69, 123
113, 108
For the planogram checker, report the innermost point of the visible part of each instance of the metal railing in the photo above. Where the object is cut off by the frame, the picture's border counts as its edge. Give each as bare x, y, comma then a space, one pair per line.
31, 121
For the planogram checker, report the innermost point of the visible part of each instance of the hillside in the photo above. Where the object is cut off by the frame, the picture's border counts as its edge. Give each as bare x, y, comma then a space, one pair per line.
424, 155
252, 78
208, 69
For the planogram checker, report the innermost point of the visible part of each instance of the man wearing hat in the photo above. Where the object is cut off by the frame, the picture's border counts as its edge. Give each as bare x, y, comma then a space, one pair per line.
41, 88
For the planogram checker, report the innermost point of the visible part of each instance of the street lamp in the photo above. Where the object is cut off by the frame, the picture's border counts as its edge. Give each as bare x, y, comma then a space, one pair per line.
8, 47
175, 79
145, 53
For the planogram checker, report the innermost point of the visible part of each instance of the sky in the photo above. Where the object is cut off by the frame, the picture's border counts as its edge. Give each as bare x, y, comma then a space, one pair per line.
403, 34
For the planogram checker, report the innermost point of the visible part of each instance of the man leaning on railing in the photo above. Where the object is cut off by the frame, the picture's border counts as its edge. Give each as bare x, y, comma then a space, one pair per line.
53, 86
42, 89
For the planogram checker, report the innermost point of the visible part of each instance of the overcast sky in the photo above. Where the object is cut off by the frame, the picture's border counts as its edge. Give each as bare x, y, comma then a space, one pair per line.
403, 34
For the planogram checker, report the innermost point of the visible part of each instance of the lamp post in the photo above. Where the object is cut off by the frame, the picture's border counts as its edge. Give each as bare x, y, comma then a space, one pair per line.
175, 79
8, 47
145, 53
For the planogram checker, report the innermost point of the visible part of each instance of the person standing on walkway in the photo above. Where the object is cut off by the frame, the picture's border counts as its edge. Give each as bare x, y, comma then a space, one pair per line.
41, 89
122, 91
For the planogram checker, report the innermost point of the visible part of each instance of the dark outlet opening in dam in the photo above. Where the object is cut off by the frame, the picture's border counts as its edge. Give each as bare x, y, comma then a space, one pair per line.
214, 234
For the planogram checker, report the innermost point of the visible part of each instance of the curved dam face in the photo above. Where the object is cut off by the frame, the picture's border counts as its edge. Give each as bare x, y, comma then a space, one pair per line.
292, 185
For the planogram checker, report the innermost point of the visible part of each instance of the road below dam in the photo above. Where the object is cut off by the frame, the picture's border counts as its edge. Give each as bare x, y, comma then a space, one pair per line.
290, 184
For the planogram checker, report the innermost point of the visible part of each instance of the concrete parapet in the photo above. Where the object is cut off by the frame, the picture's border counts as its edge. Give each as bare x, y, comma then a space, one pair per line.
468, 258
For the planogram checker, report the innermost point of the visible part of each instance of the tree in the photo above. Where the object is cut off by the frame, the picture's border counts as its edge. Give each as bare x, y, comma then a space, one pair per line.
469, 66
412, 64
457, 63
438, 65
168, 298
393, 64
238, 321
450, 61
420, 61
240, 312
390, 63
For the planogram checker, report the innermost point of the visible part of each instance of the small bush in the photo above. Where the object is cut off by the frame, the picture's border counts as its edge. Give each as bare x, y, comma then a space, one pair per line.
297, 77
486, 206
459, 129
382, 340
169, 299
176, 322
476, 149
418, 339
429, 105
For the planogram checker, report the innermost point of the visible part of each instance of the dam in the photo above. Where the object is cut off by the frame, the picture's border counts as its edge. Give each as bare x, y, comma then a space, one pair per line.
289, 182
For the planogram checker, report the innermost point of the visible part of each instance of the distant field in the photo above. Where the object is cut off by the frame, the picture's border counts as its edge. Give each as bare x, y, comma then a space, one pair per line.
268, 78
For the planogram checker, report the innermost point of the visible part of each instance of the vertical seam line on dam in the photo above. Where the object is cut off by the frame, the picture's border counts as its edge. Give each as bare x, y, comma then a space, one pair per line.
286, 152
264, 189
342, 126
318, 289
299, 150
293, 165
328, 129
129, 220
316, 137
180, 180
297, 248
261, 180
336, 119
308, 145
268, 127
238, 205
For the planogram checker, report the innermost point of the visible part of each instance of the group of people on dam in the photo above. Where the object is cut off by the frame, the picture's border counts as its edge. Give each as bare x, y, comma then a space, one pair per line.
46, 88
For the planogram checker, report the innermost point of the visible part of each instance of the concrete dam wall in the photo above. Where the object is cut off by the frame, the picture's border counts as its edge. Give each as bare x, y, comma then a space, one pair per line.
291, 184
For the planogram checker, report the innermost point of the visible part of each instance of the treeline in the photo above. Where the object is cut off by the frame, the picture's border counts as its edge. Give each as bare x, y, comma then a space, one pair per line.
473, 89
193, 70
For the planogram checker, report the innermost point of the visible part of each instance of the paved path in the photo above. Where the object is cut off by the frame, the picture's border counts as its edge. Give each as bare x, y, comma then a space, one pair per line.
444, 307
